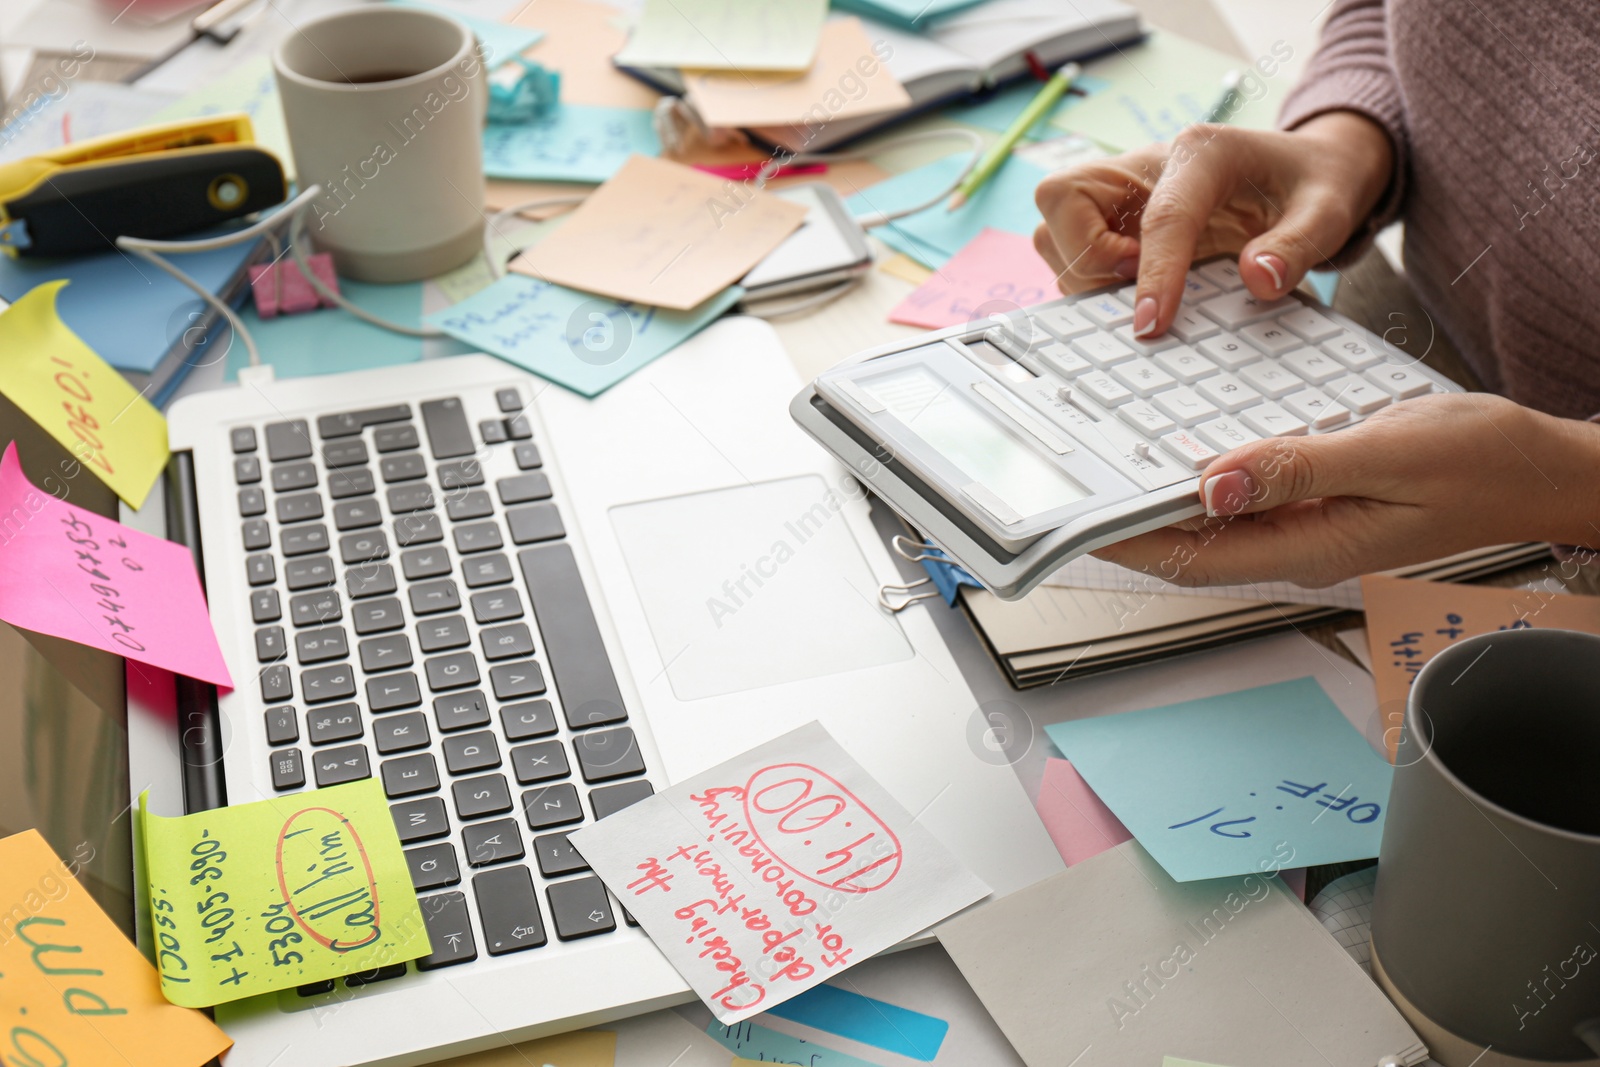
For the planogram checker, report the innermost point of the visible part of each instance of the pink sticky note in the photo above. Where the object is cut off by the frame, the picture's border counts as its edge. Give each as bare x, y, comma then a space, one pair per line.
996, 272
1076, 820
72, 574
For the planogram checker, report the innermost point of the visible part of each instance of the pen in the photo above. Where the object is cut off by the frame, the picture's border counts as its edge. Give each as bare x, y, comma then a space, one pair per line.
1228, 102
992, 160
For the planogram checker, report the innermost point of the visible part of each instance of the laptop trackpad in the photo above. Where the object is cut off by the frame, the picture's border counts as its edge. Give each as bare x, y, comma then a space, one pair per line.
754, 586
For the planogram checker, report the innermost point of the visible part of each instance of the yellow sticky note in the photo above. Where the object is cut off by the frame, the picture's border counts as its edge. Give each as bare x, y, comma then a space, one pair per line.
60, 383
73, 988
279, 893
582, 1048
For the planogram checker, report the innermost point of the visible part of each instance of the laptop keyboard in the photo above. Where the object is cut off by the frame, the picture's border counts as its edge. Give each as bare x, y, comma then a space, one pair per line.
418, 624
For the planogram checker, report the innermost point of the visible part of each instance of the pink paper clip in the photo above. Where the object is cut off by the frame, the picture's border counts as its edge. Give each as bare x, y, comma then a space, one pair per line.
743, 172
280, 288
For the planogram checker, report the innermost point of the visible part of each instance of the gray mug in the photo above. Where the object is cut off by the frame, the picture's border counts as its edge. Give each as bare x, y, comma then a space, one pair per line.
1487, 909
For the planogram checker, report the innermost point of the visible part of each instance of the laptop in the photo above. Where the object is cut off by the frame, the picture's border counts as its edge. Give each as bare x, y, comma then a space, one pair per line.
522, 610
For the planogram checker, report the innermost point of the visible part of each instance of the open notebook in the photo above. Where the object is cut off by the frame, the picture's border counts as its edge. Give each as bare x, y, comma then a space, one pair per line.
982, 47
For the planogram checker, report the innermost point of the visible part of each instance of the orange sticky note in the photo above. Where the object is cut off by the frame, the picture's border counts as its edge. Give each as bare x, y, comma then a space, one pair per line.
73, 988
1410, 621
662, 234
580, 37
995, 273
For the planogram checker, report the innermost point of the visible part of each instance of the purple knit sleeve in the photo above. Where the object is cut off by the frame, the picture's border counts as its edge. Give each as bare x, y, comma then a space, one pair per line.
1351, 71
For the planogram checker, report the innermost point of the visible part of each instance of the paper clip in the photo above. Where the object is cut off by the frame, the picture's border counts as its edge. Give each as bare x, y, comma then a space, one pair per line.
886, 592
945, 576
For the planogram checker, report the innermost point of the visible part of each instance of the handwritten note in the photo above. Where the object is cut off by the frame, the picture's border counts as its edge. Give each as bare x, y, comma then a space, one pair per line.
1256, 781
662, 234
278, 893
60, 383
74, 988
1411, 621
725, 34
586, 343
572, 143
775, 871
74, 575
847, 79
755, 1043
996, 272
1077, 821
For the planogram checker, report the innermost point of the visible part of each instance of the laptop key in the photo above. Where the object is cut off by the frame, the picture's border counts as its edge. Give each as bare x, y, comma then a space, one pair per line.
276, 684
320, 684
350, 423
580, 908
444, 915
252, 502
257, 534
356, 514
315, 989
264, 606
418, 528
407, 776
557, 856
461, 711
400, 733
351, 481
298, 507
448, 433
287, 477
385, 653
493, 569
308, 572
247, 470
243, 438
260, 569
304, 540
377, 616
607, 754
433, 866
455, 671
288, 440
509, 910
337, 722
513, 680
536, 718
506, 642
390, 692
462, 474
419, 820
439, 635
395, 438
378, 974
493, 431
270, 644
282, 726
369, 579
553, 805
464, 753
518, 428
539, 763
404, 499
312, 609
320, 645
509, 399
420, 563
288, 770
496, 605
477, 537
465, 504
492, 842
609, 799
572, 643
407, 467
365, 547
476, 797
348, 453
540, 522
335, 766
430, 597
524, 488
528, 457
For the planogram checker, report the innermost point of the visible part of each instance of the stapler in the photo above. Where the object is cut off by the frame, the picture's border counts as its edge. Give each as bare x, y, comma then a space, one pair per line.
153, 182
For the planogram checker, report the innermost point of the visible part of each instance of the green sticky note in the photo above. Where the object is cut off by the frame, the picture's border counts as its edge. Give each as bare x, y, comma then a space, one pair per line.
278, 893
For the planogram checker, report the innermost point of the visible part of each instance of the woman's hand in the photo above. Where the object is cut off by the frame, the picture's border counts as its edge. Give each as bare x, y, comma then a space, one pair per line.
1416, 481
1284, 201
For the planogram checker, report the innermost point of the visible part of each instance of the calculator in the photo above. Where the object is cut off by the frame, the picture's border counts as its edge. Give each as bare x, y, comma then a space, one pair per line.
1028, 437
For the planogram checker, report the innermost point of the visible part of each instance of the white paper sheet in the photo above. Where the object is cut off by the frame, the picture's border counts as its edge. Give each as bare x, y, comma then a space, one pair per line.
775, 871
1086, 572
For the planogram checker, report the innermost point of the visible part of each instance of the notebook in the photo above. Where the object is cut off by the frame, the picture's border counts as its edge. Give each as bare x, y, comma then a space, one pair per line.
961, 56
142, 321
1111, 963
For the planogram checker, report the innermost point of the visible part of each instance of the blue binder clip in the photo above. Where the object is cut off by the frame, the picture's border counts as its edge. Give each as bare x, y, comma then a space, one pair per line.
944, 575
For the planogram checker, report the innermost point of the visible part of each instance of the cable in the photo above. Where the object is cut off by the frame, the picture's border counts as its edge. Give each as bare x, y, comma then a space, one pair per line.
491, 226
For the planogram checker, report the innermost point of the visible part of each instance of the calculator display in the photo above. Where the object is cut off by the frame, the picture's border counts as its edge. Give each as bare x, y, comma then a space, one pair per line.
951, 424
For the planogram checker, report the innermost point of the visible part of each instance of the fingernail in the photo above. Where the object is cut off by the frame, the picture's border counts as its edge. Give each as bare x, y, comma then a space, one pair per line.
1144, 316
1275, 266
1127, 268
1228, 493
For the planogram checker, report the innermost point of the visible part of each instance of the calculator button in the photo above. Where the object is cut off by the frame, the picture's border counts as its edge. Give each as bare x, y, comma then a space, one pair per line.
1228, 393
1224, 274
1104, 388
1101, 349
1146, 418
1353, 350
1186, 406
1142, 376
1270, 338
1238, 308
1317, 409
1310, 324
1314, 366
1061, 359
1226, 434
1063, 323
1227, 351
1271, 379
1189, 449
1196, 289
1270, 420
1145, 346
1357, 394
1106, 310
1191, 326
1399, 382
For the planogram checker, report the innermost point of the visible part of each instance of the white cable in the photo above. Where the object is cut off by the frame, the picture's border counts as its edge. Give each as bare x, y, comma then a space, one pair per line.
491, 227
879, 218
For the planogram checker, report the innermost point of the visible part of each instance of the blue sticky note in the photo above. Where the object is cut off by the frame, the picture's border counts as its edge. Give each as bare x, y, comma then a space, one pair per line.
329, 340
1259, 780
1000, 109
585, 342
848, 1014
752, 1041
501, 39
932, 236
573, 143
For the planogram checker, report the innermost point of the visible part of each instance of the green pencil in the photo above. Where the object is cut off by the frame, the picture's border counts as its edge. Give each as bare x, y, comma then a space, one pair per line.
1053, 91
